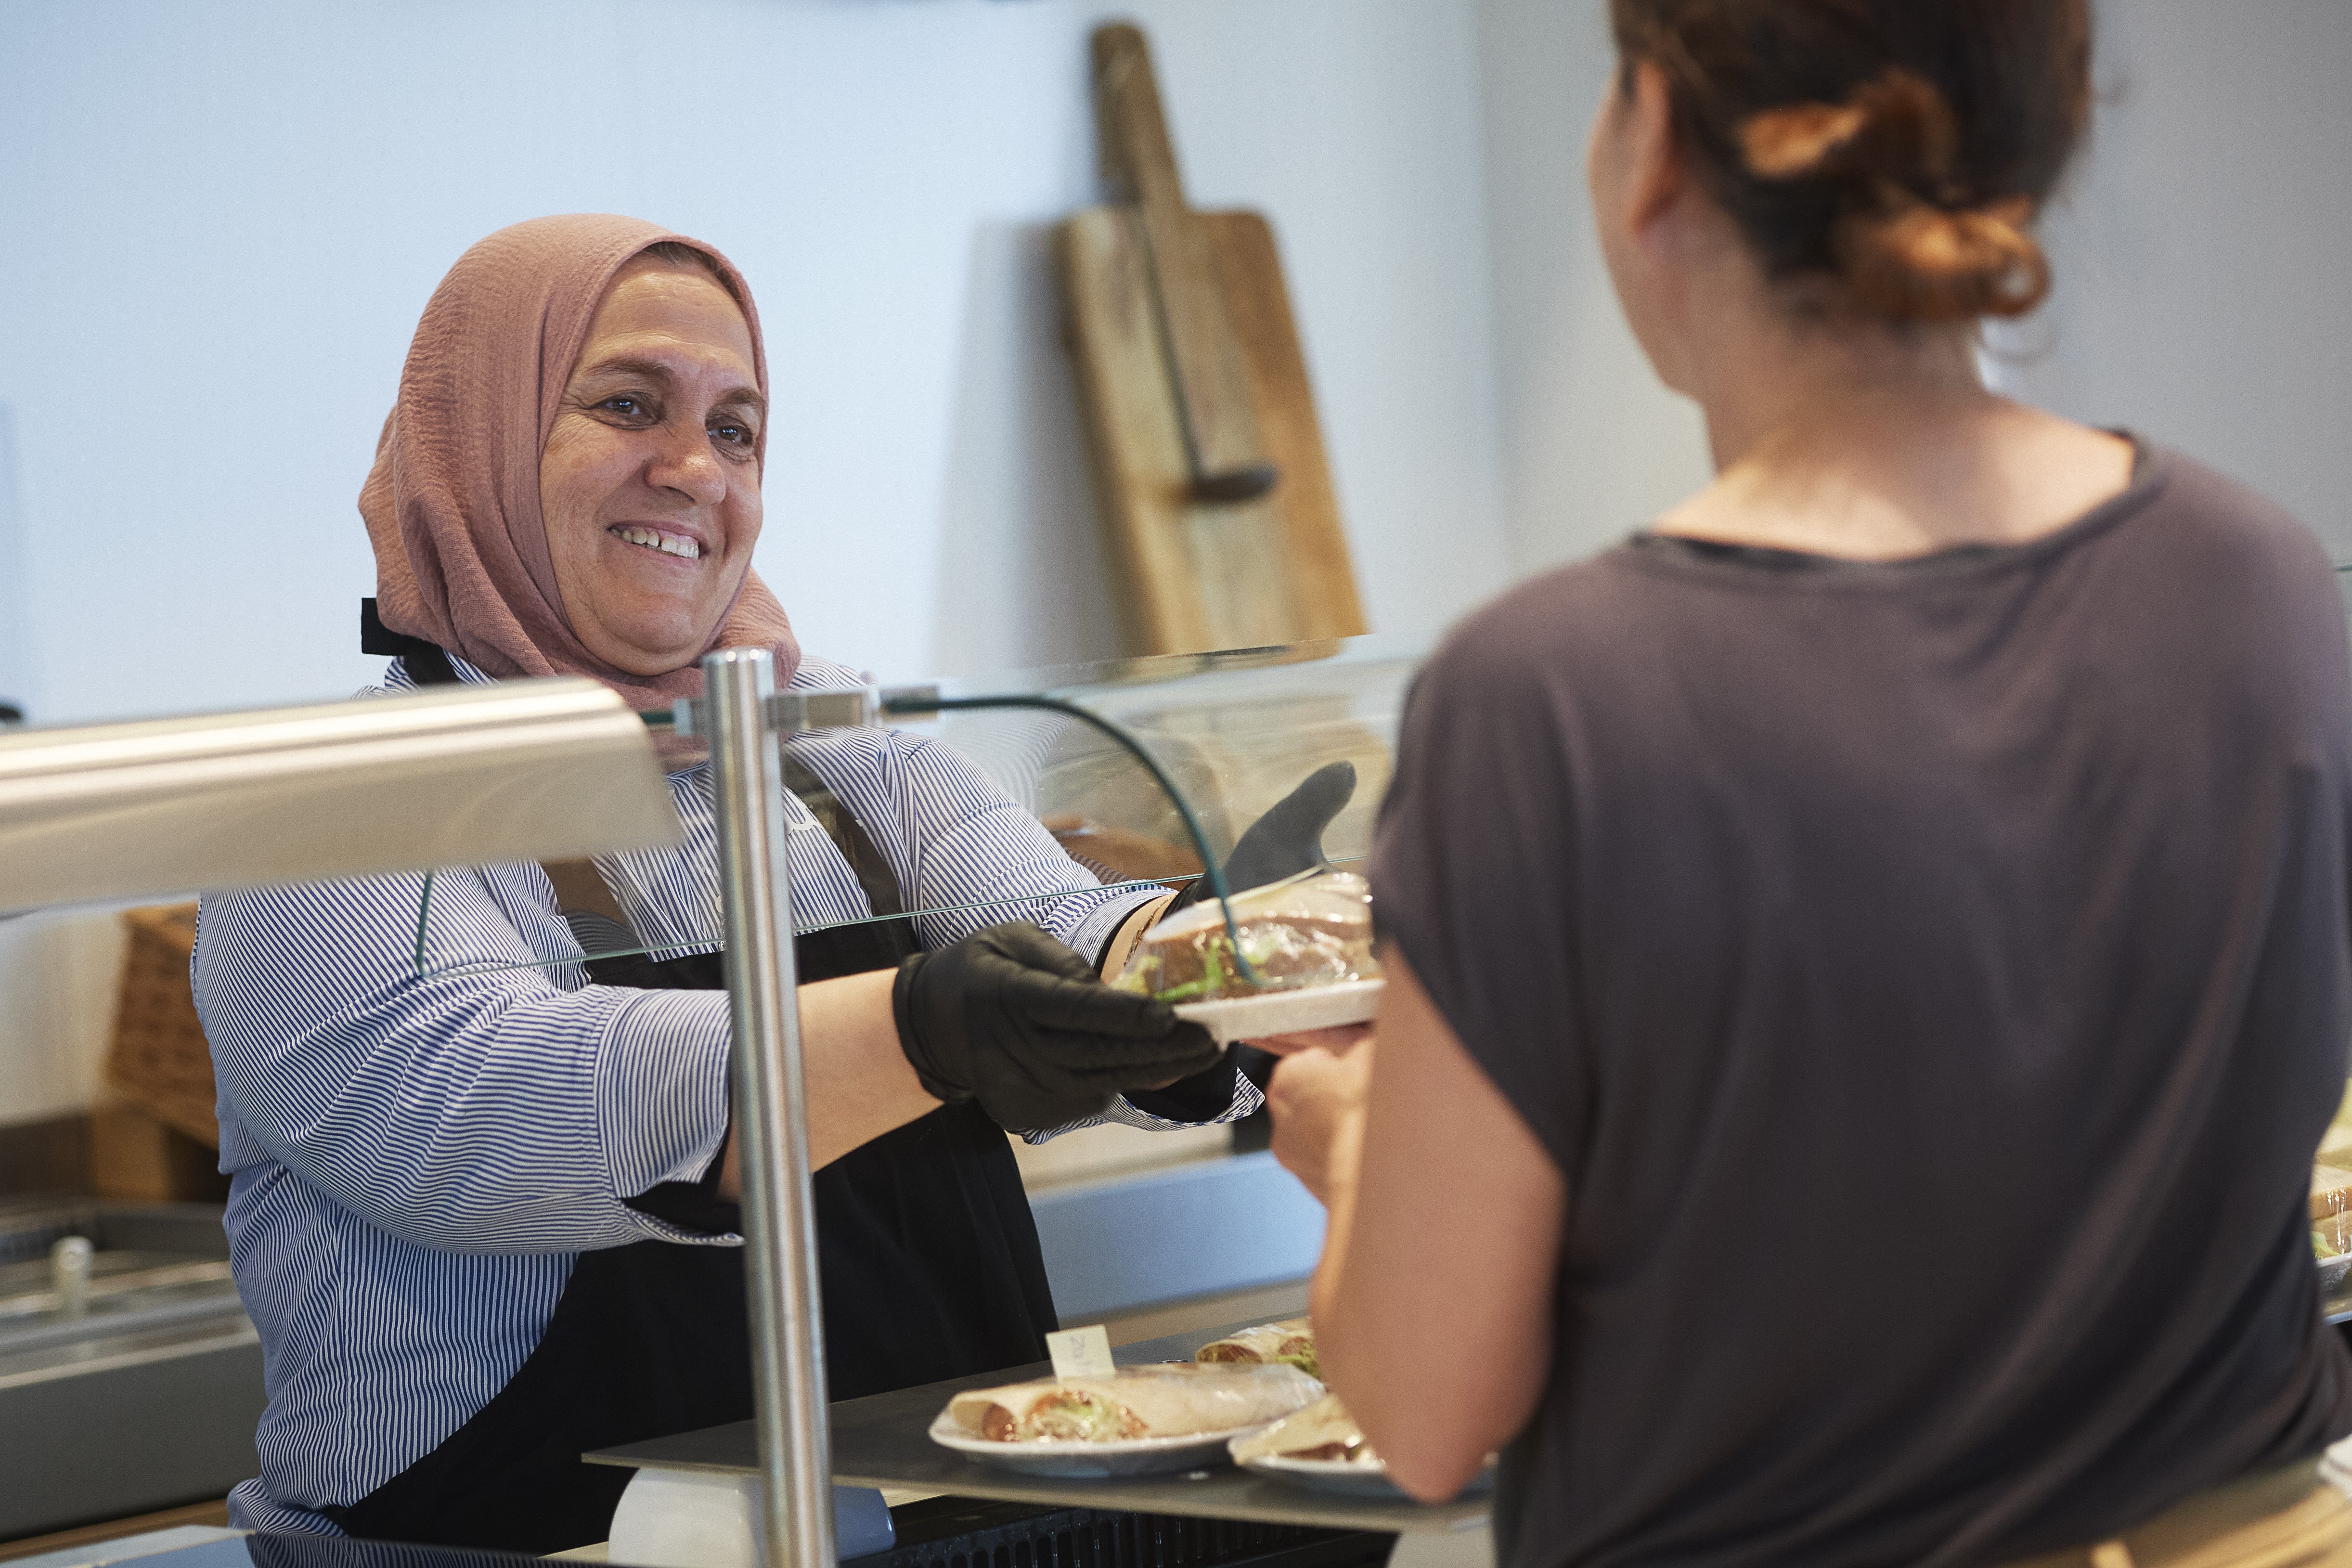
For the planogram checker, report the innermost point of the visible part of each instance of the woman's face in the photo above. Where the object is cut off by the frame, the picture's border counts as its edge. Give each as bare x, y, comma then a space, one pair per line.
649, 483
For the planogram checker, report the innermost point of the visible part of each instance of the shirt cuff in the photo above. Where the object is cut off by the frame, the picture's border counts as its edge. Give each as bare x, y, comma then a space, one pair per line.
661, 1097
1125, 1112
1094, 931
696, 1206
1201, 1100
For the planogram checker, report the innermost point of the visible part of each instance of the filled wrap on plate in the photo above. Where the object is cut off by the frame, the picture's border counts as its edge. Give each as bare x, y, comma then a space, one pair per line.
1324, 1430
1179, 1400
1288, 1343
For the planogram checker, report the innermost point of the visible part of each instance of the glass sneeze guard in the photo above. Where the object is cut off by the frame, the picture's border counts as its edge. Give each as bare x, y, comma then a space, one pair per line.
936, 797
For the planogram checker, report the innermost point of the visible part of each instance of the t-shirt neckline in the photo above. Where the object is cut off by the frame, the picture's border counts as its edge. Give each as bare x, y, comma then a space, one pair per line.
1766, 565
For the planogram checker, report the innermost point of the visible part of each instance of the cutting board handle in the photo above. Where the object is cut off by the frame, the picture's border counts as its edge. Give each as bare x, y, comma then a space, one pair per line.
1210, 383
1139, 160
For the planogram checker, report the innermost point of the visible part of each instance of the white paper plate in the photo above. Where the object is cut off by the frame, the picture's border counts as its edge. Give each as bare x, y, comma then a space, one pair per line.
1342, 1476
1233, 1019
1348, 1476
1094, 1461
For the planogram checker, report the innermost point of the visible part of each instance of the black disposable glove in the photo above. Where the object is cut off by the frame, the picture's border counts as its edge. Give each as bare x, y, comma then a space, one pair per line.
1014, 1019
1287, 840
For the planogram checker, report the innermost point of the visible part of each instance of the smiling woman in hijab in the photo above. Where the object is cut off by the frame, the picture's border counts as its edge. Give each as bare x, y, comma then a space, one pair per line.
482, 1205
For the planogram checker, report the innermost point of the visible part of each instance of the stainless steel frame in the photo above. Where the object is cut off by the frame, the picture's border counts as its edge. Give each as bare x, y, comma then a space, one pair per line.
519, 770
770, 1120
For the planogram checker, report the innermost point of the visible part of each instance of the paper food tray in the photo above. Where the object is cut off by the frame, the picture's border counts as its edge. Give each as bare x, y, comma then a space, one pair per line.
1232, 1018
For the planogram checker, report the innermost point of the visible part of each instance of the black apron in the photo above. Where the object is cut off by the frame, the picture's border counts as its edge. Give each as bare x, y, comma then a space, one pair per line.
927, 1256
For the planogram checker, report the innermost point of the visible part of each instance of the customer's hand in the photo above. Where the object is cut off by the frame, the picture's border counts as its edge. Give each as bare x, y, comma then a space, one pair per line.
1317, 1104
1339, 1039
1015, 1020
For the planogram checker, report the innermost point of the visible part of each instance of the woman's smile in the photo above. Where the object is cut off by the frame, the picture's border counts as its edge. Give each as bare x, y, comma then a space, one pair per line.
665, 541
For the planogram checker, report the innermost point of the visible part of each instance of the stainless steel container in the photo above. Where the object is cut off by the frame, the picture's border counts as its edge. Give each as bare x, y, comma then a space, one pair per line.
130, 1383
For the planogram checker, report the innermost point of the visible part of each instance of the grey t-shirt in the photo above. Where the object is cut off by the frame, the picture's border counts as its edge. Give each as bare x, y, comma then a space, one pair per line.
1931, 980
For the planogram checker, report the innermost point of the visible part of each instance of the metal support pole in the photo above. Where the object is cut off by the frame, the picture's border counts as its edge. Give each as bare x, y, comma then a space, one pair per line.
770, 1120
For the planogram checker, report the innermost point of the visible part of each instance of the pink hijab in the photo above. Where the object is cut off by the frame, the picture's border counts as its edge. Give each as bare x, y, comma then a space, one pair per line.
452, 504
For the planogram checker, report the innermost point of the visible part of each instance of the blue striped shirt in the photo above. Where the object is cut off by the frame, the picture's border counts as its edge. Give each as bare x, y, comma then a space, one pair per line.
420, 1152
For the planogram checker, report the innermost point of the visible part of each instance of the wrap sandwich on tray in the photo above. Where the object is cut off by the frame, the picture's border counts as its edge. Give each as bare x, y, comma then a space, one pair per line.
1177, 1400
1324, 1430
1290, 1343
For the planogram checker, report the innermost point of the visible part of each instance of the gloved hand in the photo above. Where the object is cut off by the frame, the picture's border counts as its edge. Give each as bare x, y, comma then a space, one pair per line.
1287, 840
1014, 1019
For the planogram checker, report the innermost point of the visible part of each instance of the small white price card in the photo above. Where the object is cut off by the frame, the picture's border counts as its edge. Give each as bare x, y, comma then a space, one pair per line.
1081, 1352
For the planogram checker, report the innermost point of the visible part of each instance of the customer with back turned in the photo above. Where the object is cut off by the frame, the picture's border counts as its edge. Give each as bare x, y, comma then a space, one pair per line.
1869, 955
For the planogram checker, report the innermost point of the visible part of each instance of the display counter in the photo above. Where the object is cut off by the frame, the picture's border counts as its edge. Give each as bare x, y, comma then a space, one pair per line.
880, 1441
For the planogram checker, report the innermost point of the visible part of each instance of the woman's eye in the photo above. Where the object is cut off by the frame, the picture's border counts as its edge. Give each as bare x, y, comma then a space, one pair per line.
624, 405
733, 434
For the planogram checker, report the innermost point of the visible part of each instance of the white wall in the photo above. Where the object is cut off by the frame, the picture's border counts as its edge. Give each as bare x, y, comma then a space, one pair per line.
2203, 253
2204, 256
58, 977
225, 218
1593, 445
15, 595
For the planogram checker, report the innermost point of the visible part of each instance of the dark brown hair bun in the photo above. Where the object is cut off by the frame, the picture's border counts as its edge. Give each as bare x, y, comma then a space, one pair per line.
1900, 146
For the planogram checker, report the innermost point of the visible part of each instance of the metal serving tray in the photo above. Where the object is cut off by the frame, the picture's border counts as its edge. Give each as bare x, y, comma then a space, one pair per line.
880, 1441
145, 1398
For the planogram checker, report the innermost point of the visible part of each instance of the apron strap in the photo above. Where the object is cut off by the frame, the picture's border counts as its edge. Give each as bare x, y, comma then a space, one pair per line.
578, 885
426, 663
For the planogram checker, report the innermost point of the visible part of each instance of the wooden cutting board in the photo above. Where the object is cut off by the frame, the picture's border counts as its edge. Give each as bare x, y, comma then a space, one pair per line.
1195, 394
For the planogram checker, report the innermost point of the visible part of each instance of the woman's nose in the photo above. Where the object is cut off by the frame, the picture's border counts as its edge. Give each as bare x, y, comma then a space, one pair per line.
683, 461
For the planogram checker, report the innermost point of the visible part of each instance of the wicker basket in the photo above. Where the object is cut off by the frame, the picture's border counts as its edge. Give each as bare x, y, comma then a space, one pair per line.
159, 1062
